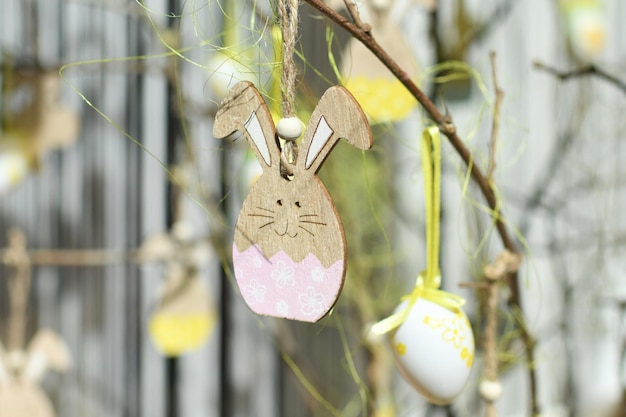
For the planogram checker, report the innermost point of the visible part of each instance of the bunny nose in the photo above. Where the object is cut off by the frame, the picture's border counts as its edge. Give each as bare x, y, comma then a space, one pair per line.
286, 223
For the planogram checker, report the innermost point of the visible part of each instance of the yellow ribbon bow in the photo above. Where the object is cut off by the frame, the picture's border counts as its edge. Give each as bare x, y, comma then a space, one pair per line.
428, 281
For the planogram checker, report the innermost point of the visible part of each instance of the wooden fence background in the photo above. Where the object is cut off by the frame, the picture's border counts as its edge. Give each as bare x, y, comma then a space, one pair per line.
561, 174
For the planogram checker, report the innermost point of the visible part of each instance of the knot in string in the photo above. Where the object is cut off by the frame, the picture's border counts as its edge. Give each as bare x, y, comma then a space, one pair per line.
420, 291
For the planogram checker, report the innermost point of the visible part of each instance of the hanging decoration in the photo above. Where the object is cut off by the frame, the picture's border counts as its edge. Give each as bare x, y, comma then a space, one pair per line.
289, 251
586, 26
21, 370
490, 387
34, 122
383, 97
185, 316
432, 338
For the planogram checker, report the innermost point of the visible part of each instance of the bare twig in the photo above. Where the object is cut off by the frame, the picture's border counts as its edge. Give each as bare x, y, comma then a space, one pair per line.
19, 286
73, 257
447, 127
590, 70
495, 130
354, 12
490, 389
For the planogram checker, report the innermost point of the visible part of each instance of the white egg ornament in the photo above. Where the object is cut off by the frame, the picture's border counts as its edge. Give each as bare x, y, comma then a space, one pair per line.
434, 350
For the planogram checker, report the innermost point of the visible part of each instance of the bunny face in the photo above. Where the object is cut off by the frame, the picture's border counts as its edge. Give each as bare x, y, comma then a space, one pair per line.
289, 247
298, 217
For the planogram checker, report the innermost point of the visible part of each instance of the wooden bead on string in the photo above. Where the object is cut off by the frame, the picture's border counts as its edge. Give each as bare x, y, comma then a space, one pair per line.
289, 128
490, 390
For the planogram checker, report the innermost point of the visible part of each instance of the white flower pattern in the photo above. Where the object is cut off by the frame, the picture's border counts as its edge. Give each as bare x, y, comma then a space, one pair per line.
311, 302
282, 308
281, 287
256, 292
318, 275
283, 275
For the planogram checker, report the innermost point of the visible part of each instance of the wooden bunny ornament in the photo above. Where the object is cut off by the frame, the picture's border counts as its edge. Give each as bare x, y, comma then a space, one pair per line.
185, 315
289, 251
21, 372
41, 126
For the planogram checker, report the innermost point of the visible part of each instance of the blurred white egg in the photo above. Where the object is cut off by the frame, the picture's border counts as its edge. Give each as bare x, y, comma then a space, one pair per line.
434, 350
226, 71
13, 168
588, 32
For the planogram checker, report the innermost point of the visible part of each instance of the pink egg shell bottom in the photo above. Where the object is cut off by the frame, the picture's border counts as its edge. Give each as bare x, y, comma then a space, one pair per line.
280, 287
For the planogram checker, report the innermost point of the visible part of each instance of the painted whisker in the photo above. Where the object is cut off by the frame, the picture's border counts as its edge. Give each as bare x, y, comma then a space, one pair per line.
260, 215
306, 230
311, 222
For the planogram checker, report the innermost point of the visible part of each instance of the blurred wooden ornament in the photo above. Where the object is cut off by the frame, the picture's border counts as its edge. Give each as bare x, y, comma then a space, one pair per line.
38, 126
185, 316
22, 371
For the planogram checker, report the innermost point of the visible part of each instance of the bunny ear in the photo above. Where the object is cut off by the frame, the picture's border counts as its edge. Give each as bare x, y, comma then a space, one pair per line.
244, 110
337, 115
46, 350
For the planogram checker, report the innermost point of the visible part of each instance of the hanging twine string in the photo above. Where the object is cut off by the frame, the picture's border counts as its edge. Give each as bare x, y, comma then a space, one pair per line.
19, 284
429, 280
288, 10
490, 388
289, 127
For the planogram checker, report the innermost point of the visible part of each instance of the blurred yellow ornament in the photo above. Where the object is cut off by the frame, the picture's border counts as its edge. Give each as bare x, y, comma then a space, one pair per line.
174, 334
185, 317
382, 99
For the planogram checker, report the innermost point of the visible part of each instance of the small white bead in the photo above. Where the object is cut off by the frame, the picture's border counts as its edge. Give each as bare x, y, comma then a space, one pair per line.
373, 338
183, 230
490, 390
289, 128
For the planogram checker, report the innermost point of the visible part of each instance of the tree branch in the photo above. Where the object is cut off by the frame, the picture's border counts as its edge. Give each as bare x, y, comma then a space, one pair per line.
354, 12
589, 70
495, 129
447, 127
